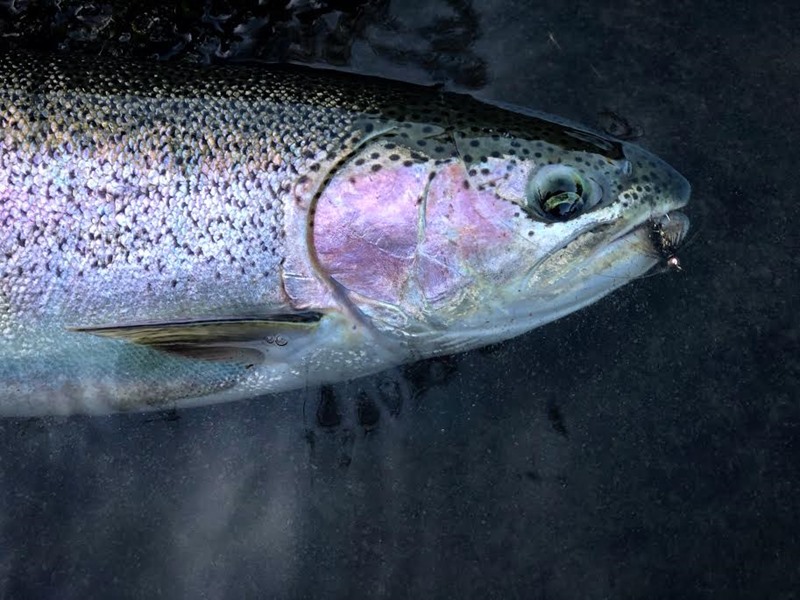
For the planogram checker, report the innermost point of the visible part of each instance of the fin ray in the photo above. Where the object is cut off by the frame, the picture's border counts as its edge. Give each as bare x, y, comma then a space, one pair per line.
212, 339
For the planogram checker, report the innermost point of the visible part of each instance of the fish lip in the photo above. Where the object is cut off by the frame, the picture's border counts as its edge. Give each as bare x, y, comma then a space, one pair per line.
674, 217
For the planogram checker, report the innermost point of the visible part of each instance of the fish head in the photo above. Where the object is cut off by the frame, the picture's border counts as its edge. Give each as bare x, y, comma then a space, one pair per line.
480, 229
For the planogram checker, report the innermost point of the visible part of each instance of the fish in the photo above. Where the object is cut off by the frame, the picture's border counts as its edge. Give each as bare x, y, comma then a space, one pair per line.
174, 236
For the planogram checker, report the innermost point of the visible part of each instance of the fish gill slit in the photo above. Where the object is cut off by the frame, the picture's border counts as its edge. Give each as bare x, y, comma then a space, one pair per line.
422, 218
422, 213
337, 289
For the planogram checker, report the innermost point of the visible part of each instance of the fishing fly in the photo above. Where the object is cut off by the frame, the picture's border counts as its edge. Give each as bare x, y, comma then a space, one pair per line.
665, 238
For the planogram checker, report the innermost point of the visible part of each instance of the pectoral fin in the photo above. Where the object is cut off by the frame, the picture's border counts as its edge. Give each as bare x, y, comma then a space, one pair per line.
239, 340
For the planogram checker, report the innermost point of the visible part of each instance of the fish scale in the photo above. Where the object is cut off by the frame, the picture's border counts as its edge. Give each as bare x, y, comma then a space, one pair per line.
173, 235
199, 177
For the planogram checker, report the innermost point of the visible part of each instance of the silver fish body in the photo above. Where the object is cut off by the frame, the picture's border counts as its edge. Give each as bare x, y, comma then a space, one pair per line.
174, 236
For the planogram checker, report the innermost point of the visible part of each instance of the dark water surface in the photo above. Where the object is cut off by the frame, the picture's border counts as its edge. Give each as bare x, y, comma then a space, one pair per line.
646, 447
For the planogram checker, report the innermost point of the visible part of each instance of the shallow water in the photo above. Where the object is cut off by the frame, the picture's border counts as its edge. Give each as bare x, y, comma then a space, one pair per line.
642, 448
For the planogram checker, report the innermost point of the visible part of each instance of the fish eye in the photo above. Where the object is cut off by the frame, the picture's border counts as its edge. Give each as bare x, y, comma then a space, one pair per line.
560, 193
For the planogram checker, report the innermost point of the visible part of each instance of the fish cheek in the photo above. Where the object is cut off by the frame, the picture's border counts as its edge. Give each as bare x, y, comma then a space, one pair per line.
470, 243
365, 229
413, 240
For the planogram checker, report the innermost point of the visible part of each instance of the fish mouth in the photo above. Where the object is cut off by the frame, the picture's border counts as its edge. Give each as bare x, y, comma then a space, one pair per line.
635, 250
666, 231
653, 235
